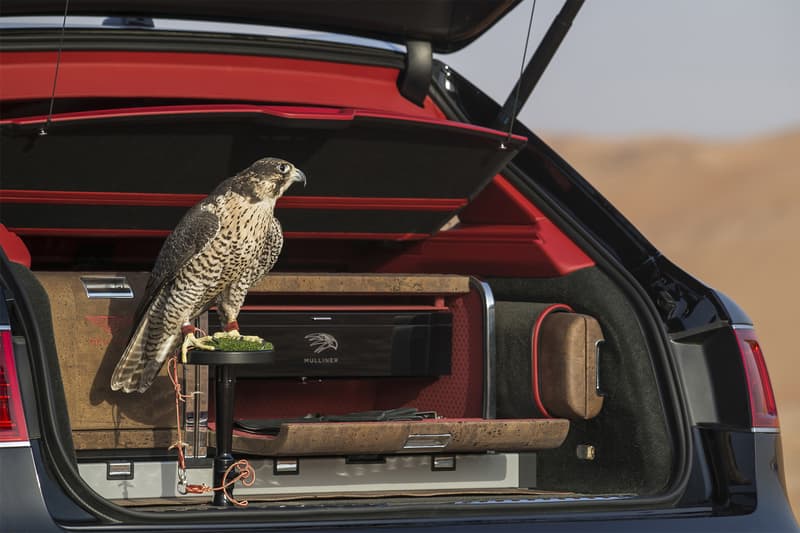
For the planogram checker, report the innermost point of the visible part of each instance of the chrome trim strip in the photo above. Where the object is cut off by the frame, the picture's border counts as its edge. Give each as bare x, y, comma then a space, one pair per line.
16, 444
5, 327
489, 347
107, 287
597, 389
742, 326
547, 500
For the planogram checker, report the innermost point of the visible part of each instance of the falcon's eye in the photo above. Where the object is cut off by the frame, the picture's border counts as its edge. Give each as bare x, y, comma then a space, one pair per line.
283, 168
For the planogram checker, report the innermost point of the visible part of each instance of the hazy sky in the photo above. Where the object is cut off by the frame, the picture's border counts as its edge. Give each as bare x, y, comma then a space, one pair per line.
711, 68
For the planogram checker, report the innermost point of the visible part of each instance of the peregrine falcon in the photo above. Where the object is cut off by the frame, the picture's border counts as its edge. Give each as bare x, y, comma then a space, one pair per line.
221, 247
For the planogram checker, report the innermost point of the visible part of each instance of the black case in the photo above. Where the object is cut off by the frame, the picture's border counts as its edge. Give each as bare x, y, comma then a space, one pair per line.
350, 344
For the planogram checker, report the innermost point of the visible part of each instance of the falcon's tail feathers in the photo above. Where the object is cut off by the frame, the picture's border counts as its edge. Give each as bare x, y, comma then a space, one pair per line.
135, 370
149, 368
125, 375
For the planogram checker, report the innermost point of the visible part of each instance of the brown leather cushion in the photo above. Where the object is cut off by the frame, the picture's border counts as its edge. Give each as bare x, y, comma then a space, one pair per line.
546, 361
568, 365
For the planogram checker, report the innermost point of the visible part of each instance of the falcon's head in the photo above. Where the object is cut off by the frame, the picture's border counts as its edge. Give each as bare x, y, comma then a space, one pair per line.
267, 179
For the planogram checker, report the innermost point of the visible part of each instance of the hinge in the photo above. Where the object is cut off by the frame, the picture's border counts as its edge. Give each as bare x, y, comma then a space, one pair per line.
415, 79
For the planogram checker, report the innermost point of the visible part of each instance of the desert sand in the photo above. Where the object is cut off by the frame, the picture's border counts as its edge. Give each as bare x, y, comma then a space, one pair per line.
728, 213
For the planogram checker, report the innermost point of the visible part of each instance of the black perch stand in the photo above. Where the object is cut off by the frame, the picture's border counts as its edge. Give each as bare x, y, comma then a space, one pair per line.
226, 365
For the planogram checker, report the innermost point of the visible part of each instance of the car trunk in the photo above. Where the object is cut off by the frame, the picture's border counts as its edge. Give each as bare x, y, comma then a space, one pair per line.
403, 220
477, 349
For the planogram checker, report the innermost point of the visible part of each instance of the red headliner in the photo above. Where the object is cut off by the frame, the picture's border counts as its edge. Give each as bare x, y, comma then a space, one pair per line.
501, 232
17, 196
29, 75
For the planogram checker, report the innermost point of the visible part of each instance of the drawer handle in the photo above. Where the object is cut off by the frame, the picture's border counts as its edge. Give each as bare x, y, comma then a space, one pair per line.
420, 441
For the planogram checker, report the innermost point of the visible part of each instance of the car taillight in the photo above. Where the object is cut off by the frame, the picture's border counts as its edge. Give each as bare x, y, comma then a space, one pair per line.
763, 409
12, 419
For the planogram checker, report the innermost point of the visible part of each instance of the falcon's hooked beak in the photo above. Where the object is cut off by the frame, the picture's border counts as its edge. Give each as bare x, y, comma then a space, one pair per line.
298, 176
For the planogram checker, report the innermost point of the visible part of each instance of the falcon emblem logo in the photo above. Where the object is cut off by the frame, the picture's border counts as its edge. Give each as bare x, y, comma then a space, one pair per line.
322, 341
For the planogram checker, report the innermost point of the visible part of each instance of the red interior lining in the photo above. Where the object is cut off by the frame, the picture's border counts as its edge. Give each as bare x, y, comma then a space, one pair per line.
14, 248
459, 395
124, 74
281, 398
299, 113
188, 200
500, 233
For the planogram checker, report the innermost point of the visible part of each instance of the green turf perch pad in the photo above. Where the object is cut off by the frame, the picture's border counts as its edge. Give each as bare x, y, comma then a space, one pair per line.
241, 344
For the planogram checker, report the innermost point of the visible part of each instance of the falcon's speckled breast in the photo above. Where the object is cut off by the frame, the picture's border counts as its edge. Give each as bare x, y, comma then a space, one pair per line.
221, 247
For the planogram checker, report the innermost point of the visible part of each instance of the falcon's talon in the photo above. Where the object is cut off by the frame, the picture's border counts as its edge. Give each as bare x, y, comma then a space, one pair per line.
190, 342
232, 334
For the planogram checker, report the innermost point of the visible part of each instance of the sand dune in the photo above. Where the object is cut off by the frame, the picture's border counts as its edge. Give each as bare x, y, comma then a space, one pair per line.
729, 213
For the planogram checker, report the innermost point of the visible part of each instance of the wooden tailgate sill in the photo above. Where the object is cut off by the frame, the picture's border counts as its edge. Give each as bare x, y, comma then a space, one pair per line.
357, 438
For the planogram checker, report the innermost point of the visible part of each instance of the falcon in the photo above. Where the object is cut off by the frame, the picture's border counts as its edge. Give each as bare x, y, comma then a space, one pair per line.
219, 249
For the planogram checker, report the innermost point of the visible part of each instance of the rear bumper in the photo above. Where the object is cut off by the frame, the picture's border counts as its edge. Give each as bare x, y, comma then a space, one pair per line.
24, 507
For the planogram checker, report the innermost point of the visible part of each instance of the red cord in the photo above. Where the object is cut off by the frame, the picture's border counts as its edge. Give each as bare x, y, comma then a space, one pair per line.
247, 474
535, 389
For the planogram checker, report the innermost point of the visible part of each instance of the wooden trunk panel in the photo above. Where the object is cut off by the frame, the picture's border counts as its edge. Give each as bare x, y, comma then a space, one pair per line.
90, 336
110, 439
314, 283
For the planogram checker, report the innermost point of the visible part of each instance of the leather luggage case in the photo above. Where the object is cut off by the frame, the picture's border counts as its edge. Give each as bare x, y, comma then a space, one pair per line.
546, 361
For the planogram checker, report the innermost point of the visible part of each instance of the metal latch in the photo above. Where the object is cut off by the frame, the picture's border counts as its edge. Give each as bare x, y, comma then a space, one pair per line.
440, 463
119, 470
286, 467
